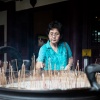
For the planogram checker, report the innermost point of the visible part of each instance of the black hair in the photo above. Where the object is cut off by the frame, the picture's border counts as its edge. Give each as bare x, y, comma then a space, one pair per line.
55, 24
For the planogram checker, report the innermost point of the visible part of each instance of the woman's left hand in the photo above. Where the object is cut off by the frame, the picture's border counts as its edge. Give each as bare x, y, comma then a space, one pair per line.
68, 67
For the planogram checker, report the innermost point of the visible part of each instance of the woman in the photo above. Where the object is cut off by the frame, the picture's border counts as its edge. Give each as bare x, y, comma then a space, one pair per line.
55, 54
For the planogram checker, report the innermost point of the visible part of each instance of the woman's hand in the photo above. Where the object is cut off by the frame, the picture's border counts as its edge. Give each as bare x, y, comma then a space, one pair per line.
39, 65
42, 65
68, 67
70, 63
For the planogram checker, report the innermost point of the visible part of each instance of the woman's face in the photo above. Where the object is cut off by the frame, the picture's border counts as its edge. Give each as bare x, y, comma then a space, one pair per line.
54, 36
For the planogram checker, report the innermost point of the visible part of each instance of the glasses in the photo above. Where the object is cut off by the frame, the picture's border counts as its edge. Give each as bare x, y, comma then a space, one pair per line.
54, 34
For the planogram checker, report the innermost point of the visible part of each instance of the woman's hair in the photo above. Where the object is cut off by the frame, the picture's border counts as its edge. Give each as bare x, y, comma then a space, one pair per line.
55, 24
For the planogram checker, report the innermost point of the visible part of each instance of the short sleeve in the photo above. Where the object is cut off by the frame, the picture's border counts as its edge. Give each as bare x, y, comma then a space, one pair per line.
41, 54
68, 50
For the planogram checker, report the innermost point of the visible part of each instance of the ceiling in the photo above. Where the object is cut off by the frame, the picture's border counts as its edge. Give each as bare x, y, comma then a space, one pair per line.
3, 4
6, 0
9, 0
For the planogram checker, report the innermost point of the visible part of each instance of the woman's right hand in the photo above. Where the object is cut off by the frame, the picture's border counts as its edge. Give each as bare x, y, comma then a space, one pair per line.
40, 65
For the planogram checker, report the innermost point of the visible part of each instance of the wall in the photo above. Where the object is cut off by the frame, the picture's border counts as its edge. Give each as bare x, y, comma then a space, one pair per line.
3, 21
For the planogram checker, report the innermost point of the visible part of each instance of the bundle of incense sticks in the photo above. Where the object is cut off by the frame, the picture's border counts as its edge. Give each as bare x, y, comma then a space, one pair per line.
57, 80
77, 65
51, 79
33, 67
3, 80
23, 74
